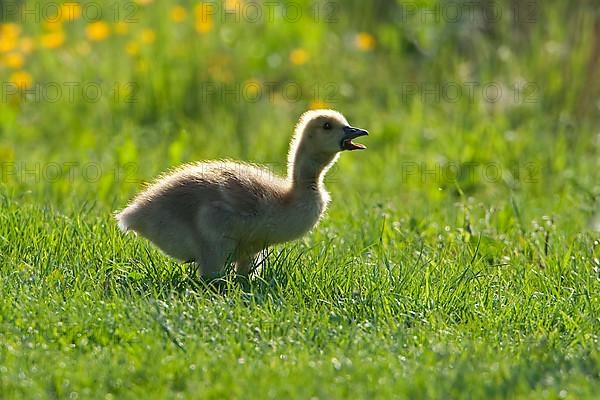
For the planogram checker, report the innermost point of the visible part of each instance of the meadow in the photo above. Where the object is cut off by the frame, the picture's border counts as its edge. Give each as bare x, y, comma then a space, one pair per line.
460, 256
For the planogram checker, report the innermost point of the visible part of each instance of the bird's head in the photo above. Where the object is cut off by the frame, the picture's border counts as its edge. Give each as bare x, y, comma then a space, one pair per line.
327, 132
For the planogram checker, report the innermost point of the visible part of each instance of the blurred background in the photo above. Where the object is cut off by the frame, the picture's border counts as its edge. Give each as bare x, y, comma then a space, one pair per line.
491, 100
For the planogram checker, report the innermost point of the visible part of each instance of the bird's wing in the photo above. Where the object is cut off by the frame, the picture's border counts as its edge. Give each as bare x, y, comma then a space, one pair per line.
238, 196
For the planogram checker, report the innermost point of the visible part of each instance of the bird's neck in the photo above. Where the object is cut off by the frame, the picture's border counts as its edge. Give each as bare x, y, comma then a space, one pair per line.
306, 171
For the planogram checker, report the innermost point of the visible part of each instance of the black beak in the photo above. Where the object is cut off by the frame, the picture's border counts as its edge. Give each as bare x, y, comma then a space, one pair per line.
349, 134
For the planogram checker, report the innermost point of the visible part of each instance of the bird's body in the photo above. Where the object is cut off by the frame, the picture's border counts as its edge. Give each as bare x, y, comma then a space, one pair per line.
245, 206
220, 211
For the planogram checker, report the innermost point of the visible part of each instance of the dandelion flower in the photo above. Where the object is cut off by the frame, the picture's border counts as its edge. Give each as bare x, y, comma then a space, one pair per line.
204, 21
233, 5
364, 41
148, 36
318, 105
14, 60
9, 34
121, 28
53, 25
178, 14
252, 89
97, 31
21, 78
299, 56
70, 11
10, 30
7, 44
26, 45
204, 26
52, 40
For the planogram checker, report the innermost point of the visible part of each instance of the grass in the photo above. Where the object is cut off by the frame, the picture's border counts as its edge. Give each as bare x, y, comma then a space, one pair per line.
424, 280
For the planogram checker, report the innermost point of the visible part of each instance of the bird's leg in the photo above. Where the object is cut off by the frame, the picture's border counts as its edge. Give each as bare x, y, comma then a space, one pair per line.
214, 257
245, 265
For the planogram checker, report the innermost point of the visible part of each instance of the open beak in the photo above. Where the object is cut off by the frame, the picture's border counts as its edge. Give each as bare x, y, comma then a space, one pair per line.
352, 133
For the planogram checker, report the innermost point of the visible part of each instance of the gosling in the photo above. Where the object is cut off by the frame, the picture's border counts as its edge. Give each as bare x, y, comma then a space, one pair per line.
215, 212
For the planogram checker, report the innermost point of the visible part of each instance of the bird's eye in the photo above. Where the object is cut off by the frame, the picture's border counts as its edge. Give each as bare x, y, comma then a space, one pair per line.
327, 126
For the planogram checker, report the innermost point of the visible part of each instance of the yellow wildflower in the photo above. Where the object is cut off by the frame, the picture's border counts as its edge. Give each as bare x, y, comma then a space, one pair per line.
318, 105
121, 28
10, 30
204, 26
204, 20
178, 14
252, 89
299, 56
53, 25
148, 36
21, 79
143, 2
97, 31
26, 45
14, 60
7, 44
52, 40
70, 11
233, 5
9, 34
364, 41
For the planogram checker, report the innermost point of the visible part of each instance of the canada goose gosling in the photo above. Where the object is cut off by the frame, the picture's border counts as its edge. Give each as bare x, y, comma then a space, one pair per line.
219, 211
